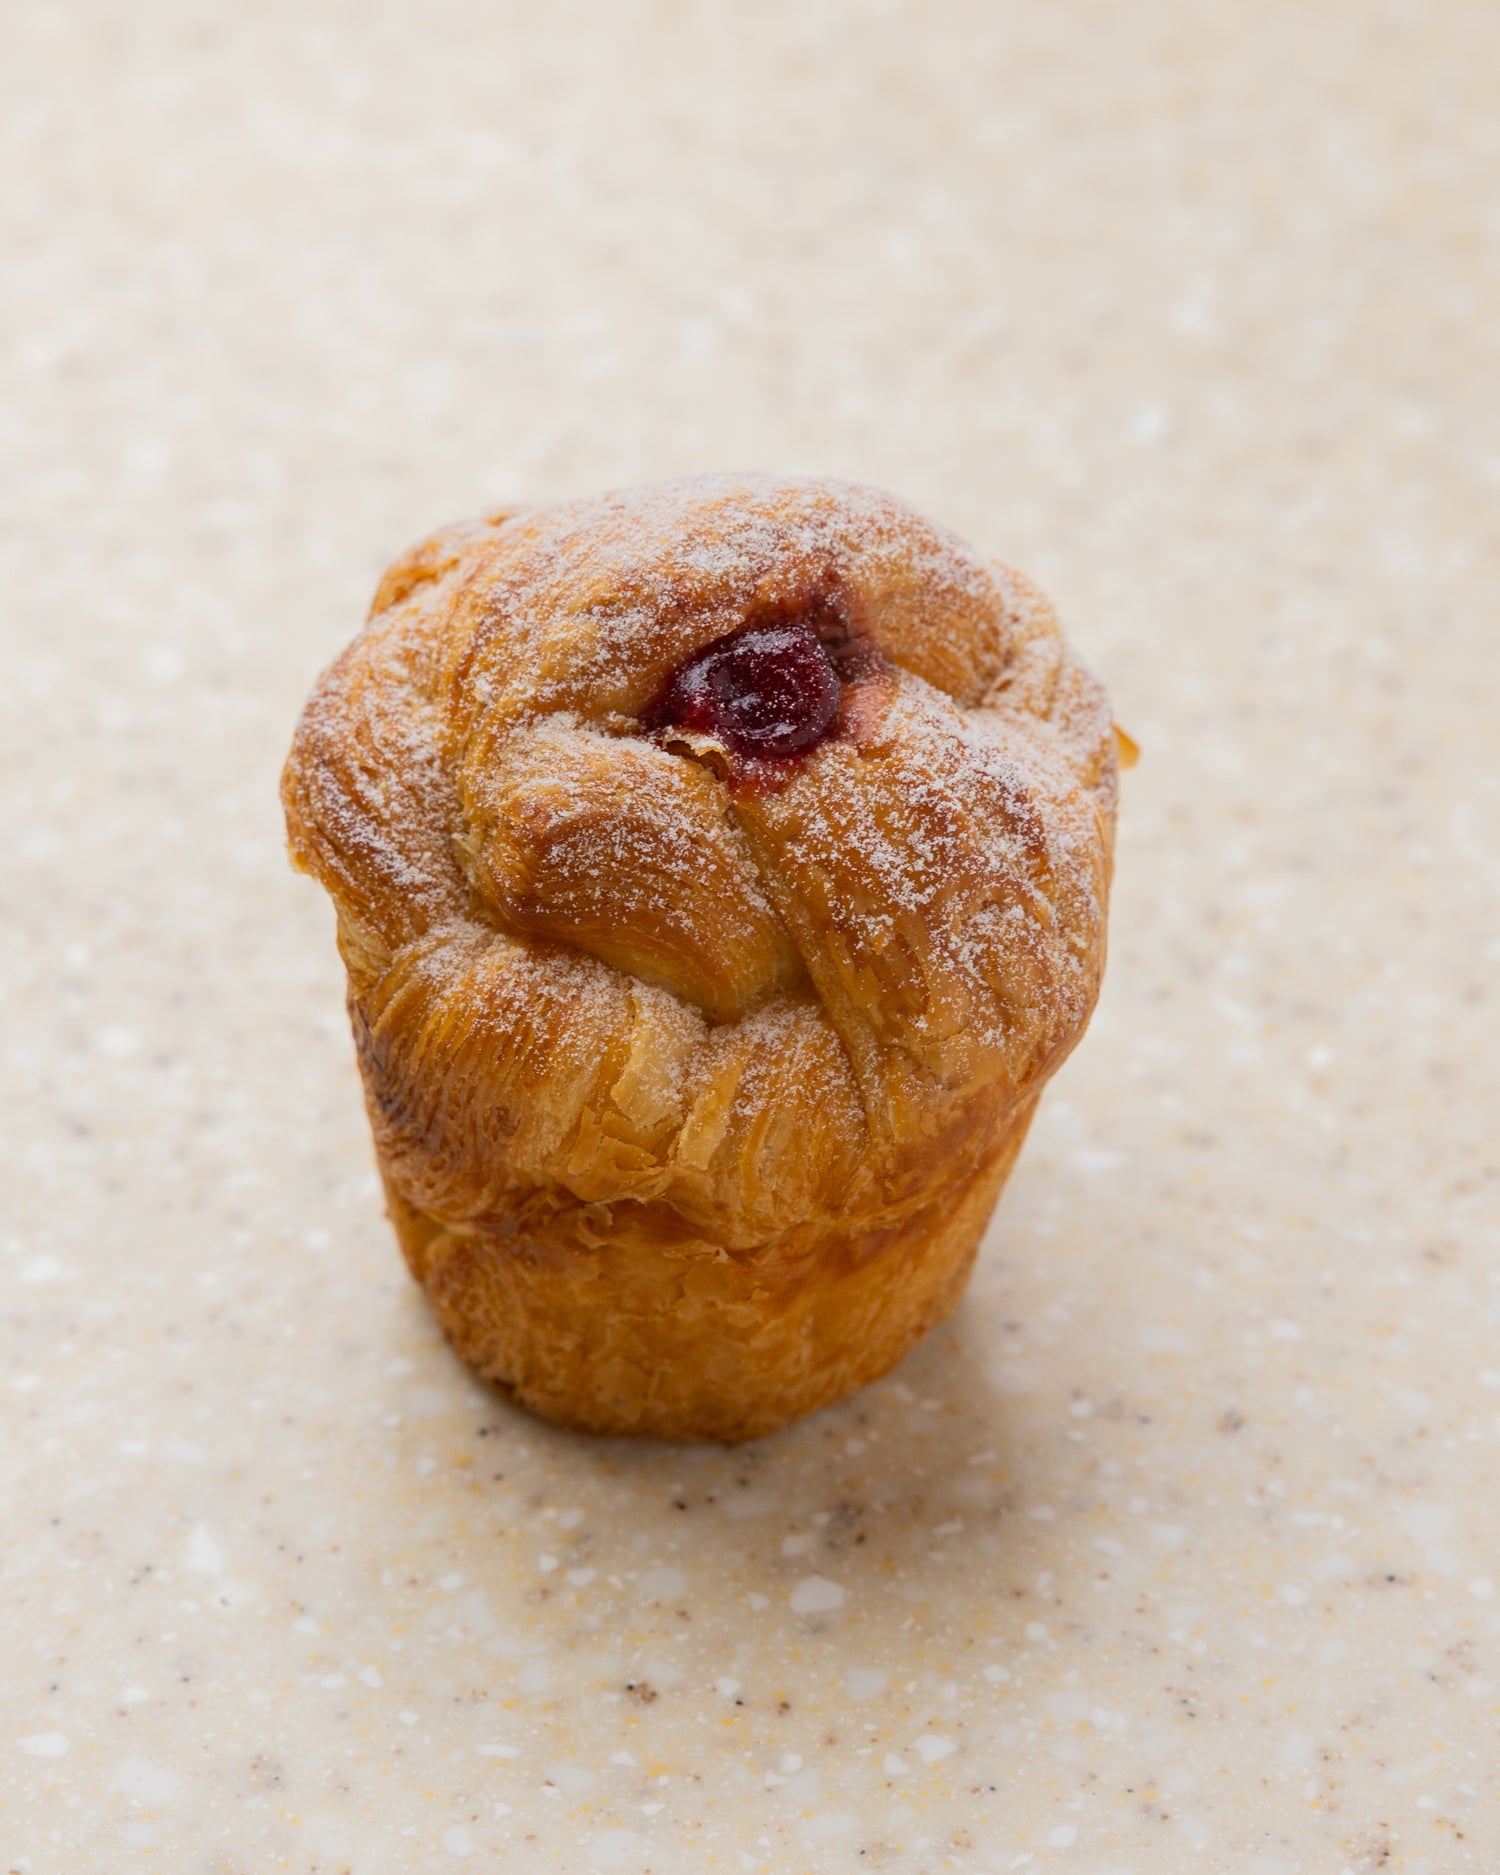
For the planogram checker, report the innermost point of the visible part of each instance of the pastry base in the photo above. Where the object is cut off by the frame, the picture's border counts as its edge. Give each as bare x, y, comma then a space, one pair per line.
627, 1337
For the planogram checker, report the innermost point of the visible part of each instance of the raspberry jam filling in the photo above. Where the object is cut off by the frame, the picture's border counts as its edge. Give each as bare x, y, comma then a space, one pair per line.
767, 692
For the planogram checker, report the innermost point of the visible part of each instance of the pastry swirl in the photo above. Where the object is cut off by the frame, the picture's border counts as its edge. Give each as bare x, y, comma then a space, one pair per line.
721, 869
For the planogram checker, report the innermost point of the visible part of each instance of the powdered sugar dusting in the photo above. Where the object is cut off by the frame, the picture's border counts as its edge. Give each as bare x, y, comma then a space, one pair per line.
942, 877
596, 600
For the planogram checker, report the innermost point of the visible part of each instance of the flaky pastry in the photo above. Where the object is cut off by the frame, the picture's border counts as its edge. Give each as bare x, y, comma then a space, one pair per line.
721, 870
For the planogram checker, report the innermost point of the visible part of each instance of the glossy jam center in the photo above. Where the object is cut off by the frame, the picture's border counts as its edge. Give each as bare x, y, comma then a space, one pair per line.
767, 691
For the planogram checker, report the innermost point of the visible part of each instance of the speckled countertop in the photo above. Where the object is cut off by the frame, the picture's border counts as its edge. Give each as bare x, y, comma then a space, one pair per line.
1180, 1548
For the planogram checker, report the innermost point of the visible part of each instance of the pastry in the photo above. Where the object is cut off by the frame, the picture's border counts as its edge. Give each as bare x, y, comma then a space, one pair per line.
720, 871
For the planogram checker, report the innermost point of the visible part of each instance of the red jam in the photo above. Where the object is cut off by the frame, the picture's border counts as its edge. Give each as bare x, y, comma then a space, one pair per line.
767, 692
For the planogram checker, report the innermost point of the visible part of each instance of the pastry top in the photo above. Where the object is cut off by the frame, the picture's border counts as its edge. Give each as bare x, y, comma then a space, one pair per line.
738, 847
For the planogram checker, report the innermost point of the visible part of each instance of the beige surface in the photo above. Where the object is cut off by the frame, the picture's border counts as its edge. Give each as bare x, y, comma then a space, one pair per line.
1177, 1551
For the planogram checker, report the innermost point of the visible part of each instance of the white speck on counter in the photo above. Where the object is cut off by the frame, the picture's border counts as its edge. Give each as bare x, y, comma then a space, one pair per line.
615, 1849
45, 1745
572, 1779
816, 1595
42, 1271
204, 1554
932, 1747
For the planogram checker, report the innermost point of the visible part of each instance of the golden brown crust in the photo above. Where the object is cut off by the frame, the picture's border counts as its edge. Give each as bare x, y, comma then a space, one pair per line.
691, 1097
